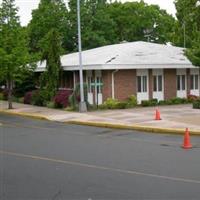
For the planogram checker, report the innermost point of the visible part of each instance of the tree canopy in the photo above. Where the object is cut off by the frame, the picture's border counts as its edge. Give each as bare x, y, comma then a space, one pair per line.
50, 14
188, 15
13, 47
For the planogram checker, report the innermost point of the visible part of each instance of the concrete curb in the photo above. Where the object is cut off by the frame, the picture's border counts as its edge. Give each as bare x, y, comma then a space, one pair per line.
110, 125
135, 127
36, 116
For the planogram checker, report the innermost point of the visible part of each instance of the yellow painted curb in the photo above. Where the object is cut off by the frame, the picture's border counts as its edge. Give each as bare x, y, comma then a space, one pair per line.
36, 116
135, 127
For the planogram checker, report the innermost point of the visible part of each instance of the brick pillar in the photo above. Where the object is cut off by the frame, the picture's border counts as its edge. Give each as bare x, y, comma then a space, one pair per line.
188, 81
169, 83
107, 84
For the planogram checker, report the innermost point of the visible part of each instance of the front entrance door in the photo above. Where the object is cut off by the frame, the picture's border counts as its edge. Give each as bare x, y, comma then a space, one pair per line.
98, 88
142, 85
194, 82
158, 84
89, 87
181, 83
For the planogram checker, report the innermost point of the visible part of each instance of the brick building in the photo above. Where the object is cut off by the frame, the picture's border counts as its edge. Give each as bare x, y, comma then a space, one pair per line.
146, 70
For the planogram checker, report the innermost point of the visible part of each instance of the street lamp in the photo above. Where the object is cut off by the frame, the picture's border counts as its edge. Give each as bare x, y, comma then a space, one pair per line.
82, 104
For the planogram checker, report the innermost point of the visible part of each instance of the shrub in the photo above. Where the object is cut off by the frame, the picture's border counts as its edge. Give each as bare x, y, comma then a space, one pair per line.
61, 100
50, 104
5, 94
102, 107
40, 98
191, 98
111, 103
196, 104
28, 97
121, 105
131, 101
1, 96
163, 102
151, 102
145, 103
21, 100
177, 100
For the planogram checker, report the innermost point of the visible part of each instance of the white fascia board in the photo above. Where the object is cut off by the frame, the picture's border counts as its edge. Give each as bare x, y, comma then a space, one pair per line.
129, 66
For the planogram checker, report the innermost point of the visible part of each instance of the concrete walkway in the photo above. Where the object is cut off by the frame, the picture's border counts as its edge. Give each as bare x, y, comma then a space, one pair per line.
174, 118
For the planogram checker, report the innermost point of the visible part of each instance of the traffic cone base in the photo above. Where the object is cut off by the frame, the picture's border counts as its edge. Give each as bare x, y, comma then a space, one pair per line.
186, 141
157, 117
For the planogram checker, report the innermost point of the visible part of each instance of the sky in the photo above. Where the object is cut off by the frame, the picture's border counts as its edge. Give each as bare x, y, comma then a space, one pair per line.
26, 6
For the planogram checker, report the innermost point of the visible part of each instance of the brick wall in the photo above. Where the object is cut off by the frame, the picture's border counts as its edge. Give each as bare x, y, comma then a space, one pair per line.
125, 84
107, 84
188, 81
150, 84
169, 83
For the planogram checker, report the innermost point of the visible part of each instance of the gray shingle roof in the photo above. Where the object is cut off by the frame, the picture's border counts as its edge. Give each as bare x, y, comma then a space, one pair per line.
130, 55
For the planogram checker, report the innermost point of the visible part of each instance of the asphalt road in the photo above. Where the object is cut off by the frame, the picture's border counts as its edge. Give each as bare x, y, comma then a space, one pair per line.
41, 160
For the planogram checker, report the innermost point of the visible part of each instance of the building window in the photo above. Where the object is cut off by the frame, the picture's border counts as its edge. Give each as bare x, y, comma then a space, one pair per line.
181, 82
99, 84
157, 83
89, 86
194, 82
142, 83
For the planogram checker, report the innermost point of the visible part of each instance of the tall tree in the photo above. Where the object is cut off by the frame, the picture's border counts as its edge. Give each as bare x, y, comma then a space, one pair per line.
50, 14
97, 27
13, 47
188, 15
139, 21
51, 50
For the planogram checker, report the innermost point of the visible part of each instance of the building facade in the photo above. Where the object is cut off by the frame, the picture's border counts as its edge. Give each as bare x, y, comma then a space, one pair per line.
146, 70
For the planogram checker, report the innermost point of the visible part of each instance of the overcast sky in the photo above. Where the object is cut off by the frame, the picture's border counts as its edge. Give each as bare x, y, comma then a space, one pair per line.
25, 7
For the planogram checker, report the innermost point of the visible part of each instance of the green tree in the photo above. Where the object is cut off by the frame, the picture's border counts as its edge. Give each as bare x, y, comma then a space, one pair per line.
188, 15
50, 14
97, 27
51, 51
193, 53
139, 21
13, 47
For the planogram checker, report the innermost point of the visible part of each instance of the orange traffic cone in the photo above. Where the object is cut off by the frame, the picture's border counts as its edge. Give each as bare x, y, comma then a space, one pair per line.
186, 141
157, 117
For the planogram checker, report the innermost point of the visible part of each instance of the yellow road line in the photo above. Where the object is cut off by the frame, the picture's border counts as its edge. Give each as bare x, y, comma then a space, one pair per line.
103, 168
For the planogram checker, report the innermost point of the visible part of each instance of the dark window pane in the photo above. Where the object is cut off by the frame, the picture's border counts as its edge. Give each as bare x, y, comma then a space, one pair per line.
144, 84
159, 83
192, 82
196, 82
183, 82
178, 82
139, 83
154, 83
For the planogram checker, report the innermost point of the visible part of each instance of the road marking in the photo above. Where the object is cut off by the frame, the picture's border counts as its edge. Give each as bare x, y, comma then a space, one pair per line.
103, 168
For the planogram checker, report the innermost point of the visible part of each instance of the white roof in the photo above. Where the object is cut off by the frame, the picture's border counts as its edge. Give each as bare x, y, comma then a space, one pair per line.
129, 55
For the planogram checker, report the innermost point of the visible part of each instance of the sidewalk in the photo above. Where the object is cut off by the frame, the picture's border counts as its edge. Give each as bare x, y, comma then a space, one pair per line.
174, 118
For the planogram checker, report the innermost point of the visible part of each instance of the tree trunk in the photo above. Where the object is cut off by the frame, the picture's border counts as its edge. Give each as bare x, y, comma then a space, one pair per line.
10, 94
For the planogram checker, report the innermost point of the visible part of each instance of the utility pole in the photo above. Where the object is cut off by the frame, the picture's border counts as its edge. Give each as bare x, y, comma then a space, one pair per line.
82, 104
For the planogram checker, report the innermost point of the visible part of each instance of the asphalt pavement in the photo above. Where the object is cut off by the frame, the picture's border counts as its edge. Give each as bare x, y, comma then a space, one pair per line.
42, 160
